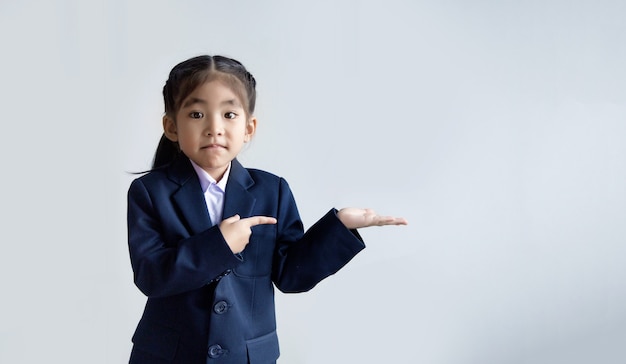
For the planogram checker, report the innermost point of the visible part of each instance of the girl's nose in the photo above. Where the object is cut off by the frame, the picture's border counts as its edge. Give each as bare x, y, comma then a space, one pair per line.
214, 127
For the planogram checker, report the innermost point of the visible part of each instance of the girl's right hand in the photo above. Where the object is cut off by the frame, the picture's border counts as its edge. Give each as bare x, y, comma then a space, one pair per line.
237, 231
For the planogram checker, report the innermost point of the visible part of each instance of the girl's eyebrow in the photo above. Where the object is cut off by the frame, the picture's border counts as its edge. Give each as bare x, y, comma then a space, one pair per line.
193, 100
196, 100
231, 102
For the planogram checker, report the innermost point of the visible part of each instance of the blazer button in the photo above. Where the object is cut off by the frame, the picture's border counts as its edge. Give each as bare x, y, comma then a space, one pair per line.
220, 307
215, 351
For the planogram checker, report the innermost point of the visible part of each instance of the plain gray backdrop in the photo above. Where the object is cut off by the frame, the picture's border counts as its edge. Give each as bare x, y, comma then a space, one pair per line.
497, 128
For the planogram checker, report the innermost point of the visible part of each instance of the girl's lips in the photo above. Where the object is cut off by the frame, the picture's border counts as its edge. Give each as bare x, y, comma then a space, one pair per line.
213, 146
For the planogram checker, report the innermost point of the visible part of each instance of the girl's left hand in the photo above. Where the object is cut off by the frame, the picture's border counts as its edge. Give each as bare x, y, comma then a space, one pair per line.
354, 218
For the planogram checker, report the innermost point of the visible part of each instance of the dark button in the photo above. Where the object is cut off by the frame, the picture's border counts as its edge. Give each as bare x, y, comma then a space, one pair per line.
215, 351
221, 307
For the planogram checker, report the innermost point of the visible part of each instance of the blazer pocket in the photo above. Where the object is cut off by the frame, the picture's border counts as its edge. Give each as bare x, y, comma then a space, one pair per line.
263, 349
158, 340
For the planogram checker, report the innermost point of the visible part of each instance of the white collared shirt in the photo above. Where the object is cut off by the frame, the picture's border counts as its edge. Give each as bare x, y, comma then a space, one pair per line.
213, 192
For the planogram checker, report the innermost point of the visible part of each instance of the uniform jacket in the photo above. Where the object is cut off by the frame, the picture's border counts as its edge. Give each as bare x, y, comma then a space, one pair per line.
206, 304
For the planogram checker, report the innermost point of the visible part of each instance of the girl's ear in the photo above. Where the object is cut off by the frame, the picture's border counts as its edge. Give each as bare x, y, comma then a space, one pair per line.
250, 129
169, 128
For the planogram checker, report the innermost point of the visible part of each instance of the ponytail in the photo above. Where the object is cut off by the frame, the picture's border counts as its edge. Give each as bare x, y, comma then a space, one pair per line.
166, 152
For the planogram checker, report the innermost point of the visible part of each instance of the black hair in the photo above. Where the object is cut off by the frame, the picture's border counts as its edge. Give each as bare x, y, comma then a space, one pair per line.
186, 77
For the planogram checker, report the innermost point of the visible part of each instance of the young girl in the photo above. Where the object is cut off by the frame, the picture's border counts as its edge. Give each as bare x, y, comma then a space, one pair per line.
209, 238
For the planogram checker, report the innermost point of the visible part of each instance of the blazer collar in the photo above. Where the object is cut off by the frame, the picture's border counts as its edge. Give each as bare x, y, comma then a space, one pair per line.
238, 199
190, 200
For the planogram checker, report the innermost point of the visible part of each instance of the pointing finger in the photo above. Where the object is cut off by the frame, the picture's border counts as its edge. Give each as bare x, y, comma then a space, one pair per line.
259, 220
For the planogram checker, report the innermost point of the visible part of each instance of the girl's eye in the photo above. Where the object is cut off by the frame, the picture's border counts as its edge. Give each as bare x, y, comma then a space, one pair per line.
230, 115
196, 115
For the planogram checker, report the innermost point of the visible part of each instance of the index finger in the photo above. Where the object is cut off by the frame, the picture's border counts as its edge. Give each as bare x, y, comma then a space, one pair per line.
258, 220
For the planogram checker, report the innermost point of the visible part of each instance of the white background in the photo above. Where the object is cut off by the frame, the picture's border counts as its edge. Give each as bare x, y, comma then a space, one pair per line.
497, 128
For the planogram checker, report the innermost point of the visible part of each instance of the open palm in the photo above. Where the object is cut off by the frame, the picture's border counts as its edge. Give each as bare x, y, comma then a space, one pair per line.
354, 218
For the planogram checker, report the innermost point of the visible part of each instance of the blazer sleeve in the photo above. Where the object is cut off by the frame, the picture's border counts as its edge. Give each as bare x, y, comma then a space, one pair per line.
167, 262
303, 259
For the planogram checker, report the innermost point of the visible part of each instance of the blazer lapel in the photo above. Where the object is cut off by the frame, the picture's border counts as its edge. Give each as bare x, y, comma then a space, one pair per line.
189, 198
238, 200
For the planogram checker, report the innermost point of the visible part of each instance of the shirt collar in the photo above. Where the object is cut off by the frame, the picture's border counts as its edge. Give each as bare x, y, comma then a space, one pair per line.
206, 180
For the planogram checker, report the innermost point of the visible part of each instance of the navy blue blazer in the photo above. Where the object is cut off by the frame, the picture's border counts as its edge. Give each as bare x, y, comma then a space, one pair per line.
206, 304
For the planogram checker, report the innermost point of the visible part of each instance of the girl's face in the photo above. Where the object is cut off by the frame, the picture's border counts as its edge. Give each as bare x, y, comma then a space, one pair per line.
211, 127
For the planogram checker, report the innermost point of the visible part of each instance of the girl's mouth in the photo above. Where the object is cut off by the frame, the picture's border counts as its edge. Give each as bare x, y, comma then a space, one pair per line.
213, 146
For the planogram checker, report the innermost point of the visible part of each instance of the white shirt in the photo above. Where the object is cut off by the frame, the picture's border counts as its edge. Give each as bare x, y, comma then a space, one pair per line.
213, 192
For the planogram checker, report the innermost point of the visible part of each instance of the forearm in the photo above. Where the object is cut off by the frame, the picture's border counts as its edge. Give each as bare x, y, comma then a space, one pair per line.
324, 249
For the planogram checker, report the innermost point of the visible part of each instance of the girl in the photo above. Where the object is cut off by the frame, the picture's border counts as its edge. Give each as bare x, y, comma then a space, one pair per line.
209, 239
